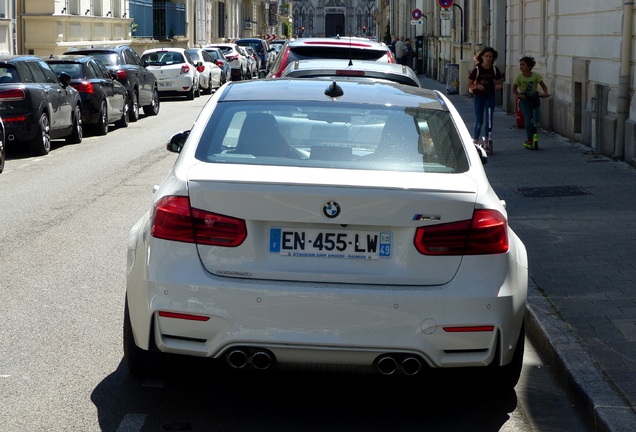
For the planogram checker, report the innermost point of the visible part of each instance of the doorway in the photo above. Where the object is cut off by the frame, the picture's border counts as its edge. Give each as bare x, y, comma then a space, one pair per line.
334, 25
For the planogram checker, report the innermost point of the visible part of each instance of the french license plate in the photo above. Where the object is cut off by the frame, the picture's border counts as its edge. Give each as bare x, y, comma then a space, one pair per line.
165, 84
317, 243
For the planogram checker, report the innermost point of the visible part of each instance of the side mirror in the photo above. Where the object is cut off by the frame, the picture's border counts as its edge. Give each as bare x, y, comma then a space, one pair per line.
178, 141
262, 73
65, 79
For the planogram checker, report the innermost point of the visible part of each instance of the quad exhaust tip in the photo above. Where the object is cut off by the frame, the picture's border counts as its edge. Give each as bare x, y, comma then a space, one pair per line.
408, 365
239, 359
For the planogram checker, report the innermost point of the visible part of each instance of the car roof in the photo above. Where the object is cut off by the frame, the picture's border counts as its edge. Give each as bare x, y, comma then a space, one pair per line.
171, 49
358, 92
359, 43
69, 58
99, 48
11, 58
312, 68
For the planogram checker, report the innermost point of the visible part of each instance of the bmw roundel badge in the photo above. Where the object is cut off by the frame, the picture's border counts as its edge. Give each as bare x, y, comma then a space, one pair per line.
331, 209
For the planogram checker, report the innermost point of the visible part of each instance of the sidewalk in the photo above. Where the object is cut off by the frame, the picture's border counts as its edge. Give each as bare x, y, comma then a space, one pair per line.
576, 214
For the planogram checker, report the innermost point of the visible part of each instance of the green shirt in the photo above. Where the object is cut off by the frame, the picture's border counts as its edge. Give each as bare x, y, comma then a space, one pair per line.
528, 86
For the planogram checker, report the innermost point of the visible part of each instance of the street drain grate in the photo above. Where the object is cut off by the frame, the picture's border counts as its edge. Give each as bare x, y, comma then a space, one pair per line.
552, 191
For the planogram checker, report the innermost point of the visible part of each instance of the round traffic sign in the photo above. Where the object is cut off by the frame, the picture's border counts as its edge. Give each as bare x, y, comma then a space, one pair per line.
445, 3
416, 14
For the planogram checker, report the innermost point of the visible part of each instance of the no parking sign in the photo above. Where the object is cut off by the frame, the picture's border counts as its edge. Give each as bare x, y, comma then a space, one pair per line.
416, 14
445, 3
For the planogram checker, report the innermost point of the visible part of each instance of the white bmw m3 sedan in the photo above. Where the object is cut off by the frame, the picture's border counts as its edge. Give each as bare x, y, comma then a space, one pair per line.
326, 223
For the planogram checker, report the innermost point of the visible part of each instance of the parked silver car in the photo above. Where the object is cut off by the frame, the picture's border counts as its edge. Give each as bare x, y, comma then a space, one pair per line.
237, 59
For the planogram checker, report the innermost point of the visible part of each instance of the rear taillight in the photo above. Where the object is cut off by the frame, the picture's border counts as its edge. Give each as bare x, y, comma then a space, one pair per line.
283, 64
175, 220
184, 69
84, 87
121, 74
14, 94
231, 57
486, 233
200, 68
219, 63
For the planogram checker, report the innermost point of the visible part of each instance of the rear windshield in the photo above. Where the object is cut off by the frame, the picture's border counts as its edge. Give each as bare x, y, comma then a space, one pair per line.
75, 70
163, 58
255, 45
194, 55
308, 52
328, 135
108, 58
8, 74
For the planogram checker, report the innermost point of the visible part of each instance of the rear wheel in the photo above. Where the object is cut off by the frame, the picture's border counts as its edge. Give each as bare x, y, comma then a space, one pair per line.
2, 152
101, 128
506, 377
140, 362
125, 117
208, 90
190, 94
78, 127
133, 104
41, 144
153, 108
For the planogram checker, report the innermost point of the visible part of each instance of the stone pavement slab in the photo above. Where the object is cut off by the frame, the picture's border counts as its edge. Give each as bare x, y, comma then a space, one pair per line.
576, 213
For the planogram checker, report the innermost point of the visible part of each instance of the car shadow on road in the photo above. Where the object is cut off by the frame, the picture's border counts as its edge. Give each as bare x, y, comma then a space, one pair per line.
203, 395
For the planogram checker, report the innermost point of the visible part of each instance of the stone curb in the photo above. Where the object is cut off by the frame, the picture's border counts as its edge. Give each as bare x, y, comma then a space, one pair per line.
600, 405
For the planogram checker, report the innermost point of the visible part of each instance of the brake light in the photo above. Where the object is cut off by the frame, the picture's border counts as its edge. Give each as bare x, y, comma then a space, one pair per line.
219, 63
14, 94
84, 87
486, 233
184, 69
175, 220
282, 64
349, 73
200, 68
121, 74
231, 57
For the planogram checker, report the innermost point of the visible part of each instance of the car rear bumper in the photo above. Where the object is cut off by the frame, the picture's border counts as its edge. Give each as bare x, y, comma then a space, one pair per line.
320, 323
23, 130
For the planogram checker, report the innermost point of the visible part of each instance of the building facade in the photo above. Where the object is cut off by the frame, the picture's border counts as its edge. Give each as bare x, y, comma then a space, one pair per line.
330, 18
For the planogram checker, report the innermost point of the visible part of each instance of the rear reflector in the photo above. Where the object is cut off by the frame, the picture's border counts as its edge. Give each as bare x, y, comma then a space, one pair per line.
14, 94
469, 329
486, 233
175, 220
183, 316
13, 119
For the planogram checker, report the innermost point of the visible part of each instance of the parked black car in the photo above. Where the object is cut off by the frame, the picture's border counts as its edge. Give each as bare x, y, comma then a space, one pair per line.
126, 66
36, 106
104, 99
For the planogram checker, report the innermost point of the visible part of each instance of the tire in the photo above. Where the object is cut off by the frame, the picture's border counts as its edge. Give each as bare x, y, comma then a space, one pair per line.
101, 128
125, 118
190, 94
153, 108
41, 144
139, 362
133, 104
78, 127
506, 377
208, 91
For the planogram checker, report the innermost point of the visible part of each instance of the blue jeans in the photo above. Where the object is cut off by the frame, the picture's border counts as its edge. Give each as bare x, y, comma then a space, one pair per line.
482, 103
530, 109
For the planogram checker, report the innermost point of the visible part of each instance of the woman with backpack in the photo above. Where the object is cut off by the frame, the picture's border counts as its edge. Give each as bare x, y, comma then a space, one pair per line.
483, 81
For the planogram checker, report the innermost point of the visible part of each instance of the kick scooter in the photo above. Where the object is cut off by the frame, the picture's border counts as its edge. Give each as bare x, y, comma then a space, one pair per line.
486, 142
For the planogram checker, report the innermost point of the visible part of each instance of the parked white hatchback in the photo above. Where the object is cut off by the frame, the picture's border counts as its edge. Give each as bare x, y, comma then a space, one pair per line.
209, 71
322, 223
175, 70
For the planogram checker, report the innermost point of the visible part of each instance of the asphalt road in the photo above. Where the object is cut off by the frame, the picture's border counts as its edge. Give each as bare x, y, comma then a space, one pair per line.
64, 222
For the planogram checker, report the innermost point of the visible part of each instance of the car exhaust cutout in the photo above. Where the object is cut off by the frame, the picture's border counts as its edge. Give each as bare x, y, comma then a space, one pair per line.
387, 365
261, 360
11, 137
411, 365
236, 359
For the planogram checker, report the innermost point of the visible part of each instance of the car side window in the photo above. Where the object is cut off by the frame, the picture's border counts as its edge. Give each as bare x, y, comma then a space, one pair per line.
51, 78
188, 58
36, 71
93, 70
25, 74
206, 57
102, 69
134, 58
